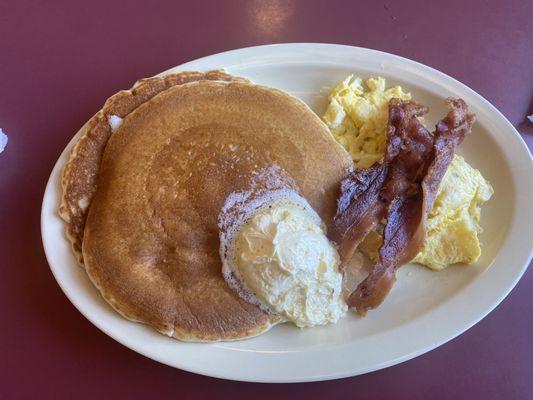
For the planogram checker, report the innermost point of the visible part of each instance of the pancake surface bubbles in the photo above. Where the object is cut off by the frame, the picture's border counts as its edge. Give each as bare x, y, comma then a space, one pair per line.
151, 239
80, 173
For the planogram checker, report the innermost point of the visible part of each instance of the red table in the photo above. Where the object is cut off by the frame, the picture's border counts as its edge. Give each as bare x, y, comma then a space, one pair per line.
60, 60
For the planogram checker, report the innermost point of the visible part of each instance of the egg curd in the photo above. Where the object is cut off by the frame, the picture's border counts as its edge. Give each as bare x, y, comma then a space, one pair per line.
357, 117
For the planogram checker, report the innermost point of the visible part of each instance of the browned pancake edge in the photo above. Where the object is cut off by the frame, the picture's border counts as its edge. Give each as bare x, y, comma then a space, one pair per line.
78, 180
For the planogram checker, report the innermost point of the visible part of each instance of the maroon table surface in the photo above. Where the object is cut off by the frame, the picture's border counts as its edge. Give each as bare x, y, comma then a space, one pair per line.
60, 60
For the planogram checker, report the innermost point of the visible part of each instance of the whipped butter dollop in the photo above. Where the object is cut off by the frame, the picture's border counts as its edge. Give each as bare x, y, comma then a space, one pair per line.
282, 257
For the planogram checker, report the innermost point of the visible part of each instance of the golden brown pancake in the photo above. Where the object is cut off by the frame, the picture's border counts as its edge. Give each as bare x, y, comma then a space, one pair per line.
151, 240
80, 172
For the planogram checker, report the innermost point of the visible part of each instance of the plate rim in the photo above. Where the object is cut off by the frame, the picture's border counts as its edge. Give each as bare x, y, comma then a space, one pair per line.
522, 196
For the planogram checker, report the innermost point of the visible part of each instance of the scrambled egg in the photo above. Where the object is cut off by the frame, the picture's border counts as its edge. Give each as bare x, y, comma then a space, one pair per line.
452, 226
358, 120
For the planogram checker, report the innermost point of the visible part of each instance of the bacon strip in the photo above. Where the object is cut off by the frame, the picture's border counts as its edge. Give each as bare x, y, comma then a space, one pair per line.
360, 207
449, 133
413, 178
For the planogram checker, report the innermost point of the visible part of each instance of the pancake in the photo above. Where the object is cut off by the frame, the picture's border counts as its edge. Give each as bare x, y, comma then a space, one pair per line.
79, 175
150, 241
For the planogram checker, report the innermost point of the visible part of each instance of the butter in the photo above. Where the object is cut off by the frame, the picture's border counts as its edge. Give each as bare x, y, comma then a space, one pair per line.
285, 260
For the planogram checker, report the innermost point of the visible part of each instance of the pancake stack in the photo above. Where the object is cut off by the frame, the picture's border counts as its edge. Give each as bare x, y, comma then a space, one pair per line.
141, 200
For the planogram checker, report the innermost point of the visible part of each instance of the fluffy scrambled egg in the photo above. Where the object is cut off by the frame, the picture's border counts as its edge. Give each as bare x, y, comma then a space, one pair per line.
358, 120
452, 226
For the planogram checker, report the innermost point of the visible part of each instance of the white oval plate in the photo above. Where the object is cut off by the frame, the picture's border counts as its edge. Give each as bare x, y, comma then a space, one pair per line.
424, 310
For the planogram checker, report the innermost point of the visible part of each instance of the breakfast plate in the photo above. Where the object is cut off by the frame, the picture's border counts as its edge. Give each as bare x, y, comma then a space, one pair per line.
424, 310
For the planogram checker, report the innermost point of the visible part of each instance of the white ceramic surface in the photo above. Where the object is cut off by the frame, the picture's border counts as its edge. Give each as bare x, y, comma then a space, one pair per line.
424, 310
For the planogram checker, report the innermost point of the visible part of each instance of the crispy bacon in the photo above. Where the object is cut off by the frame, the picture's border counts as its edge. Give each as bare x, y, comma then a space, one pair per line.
449, 133
360, 207
405, 196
